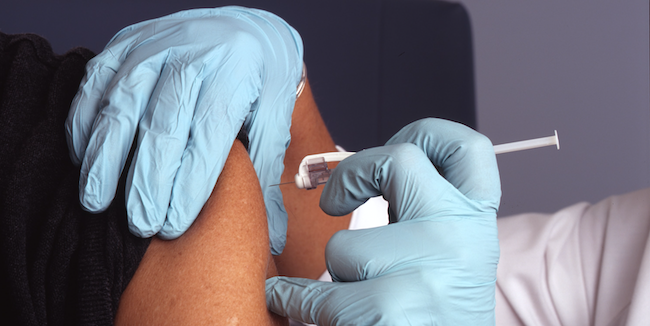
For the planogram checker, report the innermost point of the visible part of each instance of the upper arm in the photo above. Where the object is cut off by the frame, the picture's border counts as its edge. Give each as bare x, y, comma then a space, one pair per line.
216, 271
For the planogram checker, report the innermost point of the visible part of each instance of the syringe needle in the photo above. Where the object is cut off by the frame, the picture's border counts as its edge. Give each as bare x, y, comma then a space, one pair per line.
528, 144
284, 183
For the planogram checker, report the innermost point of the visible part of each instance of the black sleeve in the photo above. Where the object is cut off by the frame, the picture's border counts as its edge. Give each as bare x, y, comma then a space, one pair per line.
59, 265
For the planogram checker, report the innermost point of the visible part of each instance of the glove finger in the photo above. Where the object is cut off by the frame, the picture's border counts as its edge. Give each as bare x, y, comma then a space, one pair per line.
385, 301
465, 157
86, 104
302, 299
432, 244
224, 100
277, 218
269, 135
267, 151
162, 138
114, 130
403, 174
358, 255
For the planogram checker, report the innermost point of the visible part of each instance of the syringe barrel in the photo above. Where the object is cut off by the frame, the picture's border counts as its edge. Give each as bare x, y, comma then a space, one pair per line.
527, 144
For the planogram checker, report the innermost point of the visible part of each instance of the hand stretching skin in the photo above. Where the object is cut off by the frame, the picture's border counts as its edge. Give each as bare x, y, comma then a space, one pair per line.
185, 84
435, 264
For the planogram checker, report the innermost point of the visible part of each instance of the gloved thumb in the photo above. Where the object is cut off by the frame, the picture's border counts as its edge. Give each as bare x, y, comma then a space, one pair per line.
299, 298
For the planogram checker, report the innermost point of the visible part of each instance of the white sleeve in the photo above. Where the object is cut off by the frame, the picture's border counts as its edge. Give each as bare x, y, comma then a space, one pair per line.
584, 265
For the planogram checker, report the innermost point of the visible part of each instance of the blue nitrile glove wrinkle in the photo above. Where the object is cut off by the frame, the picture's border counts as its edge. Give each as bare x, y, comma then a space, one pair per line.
187, 82
436, 265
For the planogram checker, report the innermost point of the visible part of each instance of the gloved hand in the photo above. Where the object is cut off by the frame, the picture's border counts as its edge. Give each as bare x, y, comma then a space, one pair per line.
436, 263
186, 82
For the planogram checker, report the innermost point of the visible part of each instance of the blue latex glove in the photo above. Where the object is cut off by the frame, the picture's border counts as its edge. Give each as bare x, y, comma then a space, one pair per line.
186, 82
436, 263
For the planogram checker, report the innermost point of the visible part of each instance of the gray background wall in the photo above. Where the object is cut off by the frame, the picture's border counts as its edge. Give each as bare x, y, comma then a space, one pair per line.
578, 66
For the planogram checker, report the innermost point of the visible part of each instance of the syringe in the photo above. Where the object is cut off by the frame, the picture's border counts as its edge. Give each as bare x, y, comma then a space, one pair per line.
313, 169
528, 144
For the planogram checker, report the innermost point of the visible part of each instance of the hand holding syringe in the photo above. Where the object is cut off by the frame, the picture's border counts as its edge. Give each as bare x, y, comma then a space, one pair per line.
313, 169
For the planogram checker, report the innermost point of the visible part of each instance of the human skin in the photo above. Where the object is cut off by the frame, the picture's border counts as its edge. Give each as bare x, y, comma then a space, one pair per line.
214, 273
309, 227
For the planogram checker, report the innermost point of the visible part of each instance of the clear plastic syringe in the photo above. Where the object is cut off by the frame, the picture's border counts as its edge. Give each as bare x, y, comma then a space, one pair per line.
528, 144
313, 169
